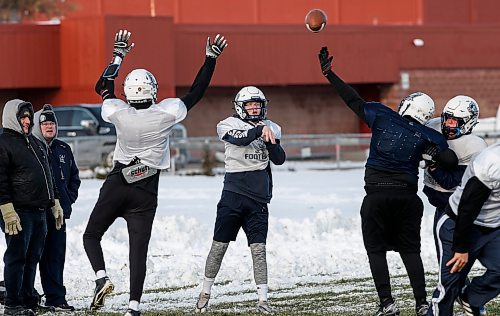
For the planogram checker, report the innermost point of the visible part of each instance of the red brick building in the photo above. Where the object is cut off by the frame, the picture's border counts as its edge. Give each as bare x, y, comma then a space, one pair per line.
372, 41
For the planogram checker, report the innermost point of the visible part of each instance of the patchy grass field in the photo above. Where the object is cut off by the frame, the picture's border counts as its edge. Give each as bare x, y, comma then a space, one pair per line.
342, 297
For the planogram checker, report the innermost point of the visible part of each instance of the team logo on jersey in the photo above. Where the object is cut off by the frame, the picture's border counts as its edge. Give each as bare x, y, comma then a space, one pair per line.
62, 158
260, 151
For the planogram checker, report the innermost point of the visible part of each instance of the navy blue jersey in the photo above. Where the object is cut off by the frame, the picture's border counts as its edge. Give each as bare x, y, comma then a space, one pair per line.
397, 143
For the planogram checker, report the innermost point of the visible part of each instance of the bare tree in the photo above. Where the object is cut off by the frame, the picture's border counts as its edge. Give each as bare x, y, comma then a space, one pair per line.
15, 11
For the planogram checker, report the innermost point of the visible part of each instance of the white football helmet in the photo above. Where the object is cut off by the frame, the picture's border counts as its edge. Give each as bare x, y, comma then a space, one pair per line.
247, 94
140, 86
465, 111
418, 106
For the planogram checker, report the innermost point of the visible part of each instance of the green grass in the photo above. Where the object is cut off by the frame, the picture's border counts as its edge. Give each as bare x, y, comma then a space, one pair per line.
355, 296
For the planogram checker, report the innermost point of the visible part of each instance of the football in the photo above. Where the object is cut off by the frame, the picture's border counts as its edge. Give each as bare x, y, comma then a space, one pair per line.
315, 20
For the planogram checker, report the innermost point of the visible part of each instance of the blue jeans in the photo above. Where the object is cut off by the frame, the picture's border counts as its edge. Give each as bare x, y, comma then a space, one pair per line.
21, 257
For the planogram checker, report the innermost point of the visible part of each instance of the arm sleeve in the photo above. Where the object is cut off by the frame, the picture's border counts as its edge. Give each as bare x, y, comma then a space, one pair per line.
200, 83
74, 180
448, 179
242, 137
105, 87
473, 197
447, 159
276, 153
348, 94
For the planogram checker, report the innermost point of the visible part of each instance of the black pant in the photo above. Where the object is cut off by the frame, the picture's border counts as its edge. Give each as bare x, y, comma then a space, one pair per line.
138, 208
391, 221
22, 256
52, 263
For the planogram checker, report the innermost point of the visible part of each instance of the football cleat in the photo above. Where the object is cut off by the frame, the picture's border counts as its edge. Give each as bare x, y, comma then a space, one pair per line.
202, 304
103, 287
264, 308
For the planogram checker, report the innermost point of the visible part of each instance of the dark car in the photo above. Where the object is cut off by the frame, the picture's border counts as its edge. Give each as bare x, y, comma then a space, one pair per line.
93, 139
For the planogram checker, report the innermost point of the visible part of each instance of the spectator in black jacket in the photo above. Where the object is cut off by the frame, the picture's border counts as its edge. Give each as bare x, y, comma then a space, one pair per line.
26, 193
65, 173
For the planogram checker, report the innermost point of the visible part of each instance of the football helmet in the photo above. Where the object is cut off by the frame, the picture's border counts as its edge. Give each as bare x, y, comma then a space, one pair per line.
418, 106
465, 111
247, 94
140, 86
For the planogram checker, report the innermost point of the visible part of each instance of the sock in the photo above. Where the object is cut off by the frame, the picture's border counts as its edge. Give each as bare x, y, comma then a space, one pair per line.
100, 274
262, 292
207, 285
134, 305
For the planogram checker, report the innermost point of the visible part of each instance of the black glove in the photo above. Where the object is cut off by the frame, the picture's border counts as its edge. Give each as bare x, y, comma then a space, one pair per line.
429, 155
325, 60
121, 46
214, 49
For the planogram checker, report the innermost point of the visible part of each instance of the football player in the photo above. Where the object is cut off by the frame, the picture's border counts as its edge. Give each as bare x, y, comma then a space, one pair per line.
251, 142
142, 150
391, 212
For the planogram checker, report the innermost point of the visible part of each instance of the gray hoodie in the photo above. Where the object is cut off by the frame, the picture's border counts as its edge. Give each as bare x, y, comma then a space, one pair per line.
12, 114
37, 131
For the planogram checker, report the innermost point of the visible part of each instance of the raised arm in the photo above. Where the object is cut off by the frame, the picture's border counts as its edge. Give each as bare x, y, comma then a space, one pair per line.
202, 79
345, 91
105, 86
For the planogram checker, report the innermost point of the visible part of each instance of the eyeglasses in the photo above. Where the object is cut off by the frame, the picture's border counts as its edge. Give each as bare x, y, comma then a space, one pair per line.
48, 124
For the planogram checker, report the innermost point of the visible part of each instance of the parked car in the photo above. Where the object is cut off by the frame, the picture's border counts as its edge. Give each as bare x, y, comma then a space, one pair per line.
93, 140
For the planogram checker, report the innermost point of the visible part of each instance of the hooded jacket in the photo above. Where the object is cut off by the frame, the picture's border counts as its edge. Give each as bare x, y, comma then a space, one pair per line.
25, 176
62, 163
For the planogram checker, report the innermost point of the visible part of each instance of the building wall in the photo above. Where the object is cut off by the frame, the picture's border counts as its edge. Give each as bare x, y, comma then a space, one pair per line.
269, 47
87, 47
263, 12
298, 109
480, 84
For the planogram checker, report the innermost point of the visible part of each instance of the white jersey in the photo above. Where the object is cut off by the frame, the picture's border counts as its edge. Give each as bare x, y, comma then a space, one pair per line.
465, 147
144, 133
245, 158
486, 167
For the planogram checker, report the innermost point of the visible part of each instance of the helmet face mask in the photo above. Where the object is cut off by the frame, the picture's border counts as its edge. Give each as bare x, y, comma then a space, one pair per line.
250, 94
418, 106
140, 88
465, 111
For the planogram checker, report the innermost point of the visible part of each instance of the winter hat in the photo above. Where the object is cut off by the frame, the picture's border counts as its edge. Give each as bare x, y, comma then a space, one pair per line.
47, 114
25, 110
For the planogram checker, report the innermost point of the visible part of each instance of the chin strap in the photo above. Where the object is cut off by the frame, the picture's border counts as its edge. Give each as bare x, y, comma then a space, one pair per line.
141, 105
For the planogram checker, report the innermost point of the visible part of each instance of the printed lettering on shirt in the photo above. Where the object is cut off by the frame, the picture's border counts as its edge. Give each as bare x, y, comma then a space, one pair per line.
260, 151
237, 133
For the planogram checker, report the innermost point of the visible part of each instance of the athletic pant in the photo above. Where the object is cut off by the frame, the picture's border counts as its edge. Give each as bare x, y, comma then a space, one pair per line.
391, 221
485, 246
138, 208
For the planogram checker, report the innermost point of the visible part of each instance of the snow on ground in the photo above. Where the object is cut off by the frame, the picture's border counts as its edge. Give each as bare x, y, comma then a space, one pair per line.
314, 236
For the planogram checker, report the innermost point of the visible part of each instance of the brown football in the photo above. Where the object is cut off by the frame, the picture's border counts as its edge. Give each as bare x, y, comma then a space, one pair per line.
315, 20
